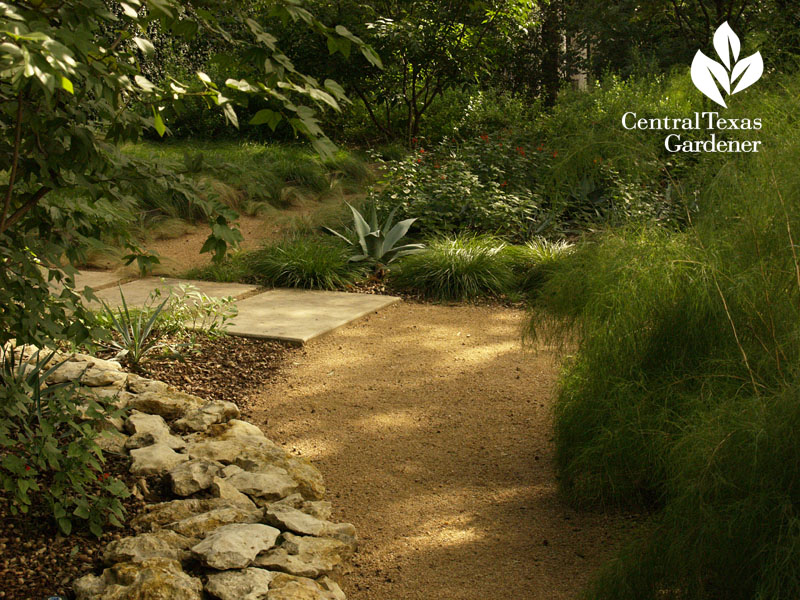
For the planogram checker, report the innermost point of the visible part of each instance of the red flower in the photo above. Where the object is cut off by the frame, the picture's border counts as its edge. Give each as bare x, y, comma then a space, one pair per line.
435, 166
413, 140
541, 148
442, 177
504, 184
555, 153
419, 160
27, 467
521, 150
484, 137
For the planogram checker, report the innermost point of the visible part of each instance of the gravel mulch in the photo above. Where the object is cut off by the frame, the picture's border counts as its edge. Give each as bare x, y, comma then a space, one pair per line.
224, 368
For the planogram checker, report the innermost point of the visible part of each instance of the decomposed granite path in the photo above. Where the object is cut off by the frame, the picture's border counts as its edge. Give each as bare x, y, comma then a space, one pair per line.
433, 429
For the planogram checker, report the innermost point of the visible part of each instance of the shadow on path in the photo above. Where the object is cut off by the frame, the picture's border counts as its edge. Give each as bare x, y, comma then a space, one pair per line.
432, 428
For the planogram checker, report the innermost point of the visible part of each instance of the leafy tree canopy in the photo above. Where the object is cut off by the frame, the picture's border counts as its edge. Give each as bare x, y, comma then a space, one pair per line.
74, 85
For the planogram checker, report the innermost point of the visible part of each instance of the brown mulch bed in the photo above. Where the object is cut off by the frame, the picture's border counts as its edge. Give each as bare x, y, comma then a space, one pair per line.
223, 368
37, 562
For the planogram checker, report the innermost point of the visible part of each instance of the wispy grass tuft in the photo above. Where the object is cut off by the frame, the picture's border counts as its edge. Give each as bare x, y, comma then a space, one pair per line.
684, 395
533, 262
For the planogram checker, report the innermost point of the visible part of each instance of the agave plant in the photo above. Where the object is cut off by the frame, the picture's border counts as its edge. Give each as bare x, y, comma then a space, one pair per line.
378, 244
135, 331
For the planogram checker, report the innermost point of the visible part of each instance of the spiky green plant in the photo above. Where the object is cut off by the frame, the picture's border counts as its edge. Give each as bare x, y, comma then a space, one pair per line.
377, 244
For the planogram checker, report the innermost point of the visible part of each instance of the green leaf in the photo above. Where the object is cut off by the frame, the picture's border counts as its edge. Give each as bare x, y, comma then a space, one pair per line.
145, 46
230, 115
129, 11
335, 89
65, 525
270, 117
158, 122
66, 84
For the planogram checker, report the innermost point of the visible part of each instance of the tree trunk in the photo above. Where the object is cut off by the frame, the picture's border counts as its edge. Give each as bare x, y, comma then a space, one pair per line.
551, 58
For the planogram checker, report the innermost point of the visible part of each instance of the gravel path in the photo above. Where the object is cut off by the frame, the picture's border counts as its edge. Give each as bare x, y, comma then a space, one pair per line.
432, 428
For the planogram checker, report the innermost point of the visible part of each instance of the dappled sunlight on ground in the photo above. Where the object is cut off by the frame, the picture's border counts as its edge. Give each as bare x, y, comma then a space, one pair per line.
431, 425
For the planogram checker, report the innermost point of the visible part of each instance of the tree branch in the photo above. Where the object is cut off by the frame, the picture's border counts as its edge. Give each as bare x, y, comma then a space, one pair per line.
23, 210
372, 115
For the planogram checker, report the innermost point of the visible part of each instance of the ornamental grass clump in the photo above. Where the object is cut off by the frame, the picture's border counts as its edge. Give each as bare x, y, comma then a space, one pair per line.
683, 397
456, 268
304, 262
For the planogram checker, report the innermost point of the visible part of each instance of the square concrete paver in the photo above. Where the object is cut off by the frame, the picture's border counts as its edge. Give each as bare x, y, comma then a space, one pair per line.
137, 292
302, 315
95, 279
92, 279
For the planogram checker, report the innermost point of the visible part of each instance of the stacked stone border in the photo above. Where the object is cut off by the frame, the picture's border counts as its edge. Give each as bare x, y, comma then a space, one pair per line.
248, 520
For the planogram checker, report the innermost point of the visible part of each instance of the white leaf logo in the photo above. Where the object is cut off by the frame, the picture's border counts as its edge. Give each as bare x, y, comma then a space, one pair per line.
707, 73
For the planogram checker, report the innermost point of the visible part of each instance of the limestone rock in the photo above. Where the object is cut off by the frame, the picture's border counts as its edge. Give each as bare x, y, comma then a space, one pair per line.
289, 587
171, 404
224, 490
272, 483
147, 430
192, 476
141, 385
151, 579
158, 515
111, 440
292, 519
201, 524
235, 546
211, 413
239, 430
162, 544
139, 422
116, 396
154, 460
224, 451
247, 584
88, 375
308, 478
107, 365
322, 509
305, 556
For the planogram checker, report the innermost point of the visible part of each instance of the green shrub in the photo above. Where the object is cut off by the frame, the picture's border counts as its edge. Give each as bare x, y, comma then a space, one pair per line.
48, 449
234, 268
245, 176
458, 268
168, 325
304, 262
457, 188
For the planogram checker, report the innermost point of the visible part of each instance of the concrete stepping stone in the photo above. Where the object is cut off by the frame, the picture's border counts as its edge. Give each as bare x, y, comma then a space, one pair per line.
137, 292
94, 279
302, 315
282, 314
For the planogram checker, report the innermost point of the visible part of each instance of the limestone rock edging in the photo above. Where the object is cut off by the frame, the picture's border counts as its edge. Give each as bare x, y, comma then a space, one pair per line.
249, 520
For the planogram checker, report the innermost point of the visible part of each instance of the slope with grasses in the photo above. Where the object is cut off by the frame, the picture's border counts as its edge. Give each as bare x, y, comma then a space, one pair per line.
251, 178
684, 395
